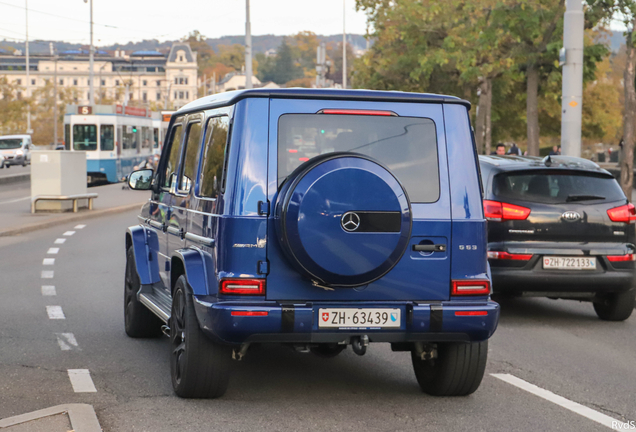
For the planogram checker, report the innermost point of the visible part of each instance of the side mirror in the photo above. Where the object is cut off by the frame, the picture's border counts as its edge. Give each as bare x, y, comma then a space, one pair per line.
141, 179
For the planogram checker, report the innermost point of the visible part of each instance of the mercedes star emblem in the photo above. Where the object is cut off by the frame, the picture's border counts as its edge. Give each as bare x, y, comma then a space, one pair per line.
350, 221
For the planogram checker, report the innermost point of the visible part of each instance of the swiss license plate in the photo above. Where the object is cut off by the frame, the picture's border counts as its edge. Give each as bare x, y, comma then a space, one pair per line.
359, 318
569, 263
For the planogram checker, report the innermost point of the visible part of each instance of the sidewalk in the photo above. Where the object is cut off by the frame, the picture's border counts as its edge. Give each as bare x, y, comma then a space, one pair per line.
16, 216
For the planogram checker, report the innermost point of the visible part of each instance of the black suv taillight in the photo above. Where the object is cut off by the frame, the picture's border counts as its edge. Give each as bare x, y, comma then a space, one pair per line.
625, 213
499, 211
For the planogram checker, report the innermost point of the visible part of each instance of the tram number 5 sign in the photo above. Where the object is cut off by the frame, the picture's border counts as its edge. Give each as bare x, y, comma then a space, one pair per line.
85, 110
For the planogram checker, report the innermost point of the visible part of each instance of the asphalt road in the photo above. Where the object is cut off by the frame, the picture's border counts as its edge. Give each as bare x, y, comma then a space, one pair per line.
559, 346
15, 169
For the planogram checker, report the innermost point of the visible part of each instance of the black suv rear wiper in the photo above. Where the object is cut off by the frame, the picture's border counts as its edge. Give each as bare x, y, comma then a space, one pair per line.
583, 198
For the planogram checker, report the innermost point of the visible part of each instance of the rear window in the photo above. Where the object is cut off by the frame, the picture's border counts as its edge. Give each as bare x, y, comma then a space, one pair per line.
406, 145
556, 187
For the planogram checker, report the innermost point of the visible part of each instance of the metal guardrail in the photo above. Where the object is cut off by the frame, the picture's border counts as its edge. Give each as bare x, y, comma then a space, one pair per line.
74, 198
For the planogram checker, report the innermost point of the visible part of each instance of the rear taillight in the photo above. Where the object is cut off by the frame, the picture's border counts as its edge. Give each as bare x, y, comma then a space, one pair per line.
498, 211
471, 313
508, 256
625, 213
250, 313
470, 287
242, 287
621, 258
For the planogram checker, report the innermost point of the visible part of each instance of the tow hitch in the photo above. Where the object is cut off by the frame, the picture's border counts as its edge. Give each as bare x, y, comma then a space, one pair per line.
359, 344
426, 351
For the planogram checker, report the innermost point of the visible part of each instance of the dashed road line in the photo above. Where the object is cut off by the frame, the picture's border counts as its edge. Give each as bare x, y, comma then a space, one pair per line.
55, 312
53, 251
69, 233
577, 408
67, 342
48, 290
48, 261
47, 274
60, 241
81, 381
80, 226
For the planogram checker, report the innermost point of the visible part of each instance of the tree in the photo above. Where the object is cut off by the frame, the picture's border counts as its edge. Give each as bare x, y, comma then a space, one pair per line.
284, 68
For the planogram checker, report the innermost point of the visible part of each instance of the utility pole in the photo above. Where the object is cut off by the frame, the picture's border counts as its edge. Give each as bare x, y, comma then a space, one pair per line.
248, 47
344, 46
91, 91
572, 61
28, 78
54, 96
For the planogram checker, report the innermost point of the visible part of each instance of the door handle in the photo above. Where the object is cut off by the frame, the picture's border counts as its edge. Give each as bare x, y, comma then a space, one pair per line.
429, 248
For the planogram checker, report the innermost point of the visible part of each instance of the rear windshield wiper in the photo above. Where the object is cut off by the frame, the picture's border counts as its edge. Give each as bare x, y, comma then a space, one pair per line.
584, 198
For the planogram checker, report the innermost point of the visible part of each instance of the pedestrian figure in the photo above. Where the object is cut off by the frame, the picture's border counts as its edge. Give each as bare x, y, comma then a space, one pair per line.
514, 150
500, 150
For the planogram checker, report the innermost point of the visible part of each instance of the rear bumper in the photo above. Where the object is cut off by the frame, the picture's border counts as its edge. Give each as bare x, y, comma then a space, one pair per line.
298, 323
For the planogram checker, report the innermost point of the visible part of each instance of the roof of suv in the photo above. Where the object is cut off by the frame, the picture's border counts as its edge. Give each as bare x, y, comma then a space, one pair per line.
516, 163
231, 97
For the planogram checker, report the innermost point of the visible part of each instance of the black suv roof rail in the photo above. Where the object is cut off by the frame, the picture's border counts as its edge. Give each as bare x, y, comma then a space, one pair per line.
529, 162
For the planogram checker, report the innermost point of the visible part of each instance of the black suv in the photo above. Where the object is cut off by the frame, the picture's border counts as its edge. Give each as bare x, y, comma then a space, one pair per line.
560, 227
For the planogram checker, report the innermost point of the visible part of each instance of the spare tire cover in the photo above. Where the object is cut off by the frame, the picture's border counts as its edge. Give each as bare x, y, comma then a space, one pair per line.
343, 219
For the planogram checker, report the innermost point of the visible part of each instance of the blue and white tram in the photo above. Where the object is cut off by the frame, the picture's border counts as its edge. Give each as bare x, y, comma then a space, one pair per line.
116, 139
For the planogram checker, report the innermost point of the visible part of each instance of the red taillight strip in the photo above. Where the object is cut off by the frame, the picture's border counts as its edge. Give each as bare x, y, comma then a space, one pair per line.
470, 287
357, 112
621, 258
242, 287
250, 313
508, 256
625, 213
498, 211
471, 313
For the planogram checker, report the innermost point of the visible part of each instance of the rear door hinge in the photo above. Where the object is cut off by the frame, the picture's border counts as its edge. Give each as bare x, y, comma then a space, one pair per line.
263, 208
263, 267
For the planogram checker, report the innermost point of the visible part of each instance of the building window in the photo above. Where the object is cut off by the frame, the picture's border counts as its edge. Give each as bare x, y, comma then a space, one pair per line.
187, 95
103, 82
176, 80
186, 81
88, 82
32, 82
158, 83
145, 96
180, 58
19, 81
116, 82
181, 80
158, 96
175, 95
74, 82
144, 82
61, 82
88, 96
180, 95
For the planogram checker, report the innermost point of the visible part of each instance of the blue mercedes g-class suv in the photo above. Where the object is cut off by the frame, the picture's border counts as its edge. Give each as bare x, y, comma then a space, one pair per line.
318, 219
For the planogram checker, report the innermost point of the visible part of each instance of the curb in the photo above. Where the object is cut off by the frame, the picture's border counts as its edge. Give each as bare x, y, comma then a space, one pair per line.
16, 178
81, 416
72, 218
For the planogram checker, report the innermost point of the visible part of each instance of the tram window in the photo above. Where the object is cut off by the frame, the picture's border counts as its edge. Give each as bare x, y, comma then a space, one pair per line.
107, 137
193, 144
67, 137
173, 159
213, 157
127, 138
145, 137
84, 137
155, 137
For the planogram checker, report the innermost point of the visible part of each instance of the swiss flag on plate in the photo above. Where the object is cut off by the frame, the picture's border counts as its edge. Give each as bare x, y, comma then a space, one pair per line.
325, 316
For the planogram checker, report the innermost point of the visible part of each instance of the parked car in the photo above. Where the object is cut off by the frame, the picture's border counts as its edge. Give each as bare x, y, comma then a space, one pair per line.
560, 227
16, 149
373, 239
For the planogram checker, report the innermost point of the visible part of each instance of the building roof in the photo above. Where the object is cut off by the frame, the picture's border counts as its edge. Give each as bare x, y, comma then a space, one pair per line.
231, 97
172, 57
147, 54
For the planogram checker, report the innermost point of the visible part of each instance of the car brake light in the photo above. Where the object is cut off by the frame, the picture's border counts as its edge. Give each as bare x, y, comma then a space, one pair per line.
357, 112
508, 256
303, 159
470, 287
620, 258
471, 313
250, 313
625, 213
242, 287
498, 211
292, 151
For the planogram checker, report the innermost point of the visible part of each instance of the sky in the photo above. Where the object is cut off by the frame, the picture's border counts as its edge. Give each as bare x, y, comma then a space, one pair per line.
121, 21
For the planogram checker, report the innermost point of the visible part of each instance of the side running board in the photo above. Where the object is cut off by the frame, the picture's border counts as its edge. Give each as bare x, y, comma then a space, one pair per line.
157, 301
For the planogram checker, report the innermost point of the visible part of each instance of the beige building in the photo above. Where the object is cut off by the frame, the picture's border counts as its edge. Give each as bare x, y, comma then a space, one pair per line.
139, 78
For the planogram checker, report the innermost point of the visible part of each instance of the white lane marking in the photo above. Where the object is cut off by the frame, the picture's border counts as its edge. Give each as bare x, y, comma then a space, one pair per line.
47, 274
15, 200
53, 251
48, 290
589, 413
60, 241
69, 233
67, 342
81, 381
48, 261
80, 226
55, 312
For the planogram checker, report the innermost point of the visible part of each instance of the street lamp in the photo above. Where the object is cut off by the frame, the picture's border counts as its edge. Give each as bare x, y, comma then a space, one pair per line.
28, 78
91, 94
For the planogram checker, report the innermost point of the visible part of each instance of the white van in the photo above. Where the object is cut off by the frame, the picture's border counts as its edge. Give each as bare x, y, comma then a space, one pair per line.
15, 150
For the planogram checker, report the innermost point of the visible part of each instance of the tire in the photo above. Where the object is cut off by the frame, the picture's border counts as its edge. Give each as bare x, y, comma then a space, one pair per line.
138, 320
199, 367
616, 306
327, 350
457, 370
